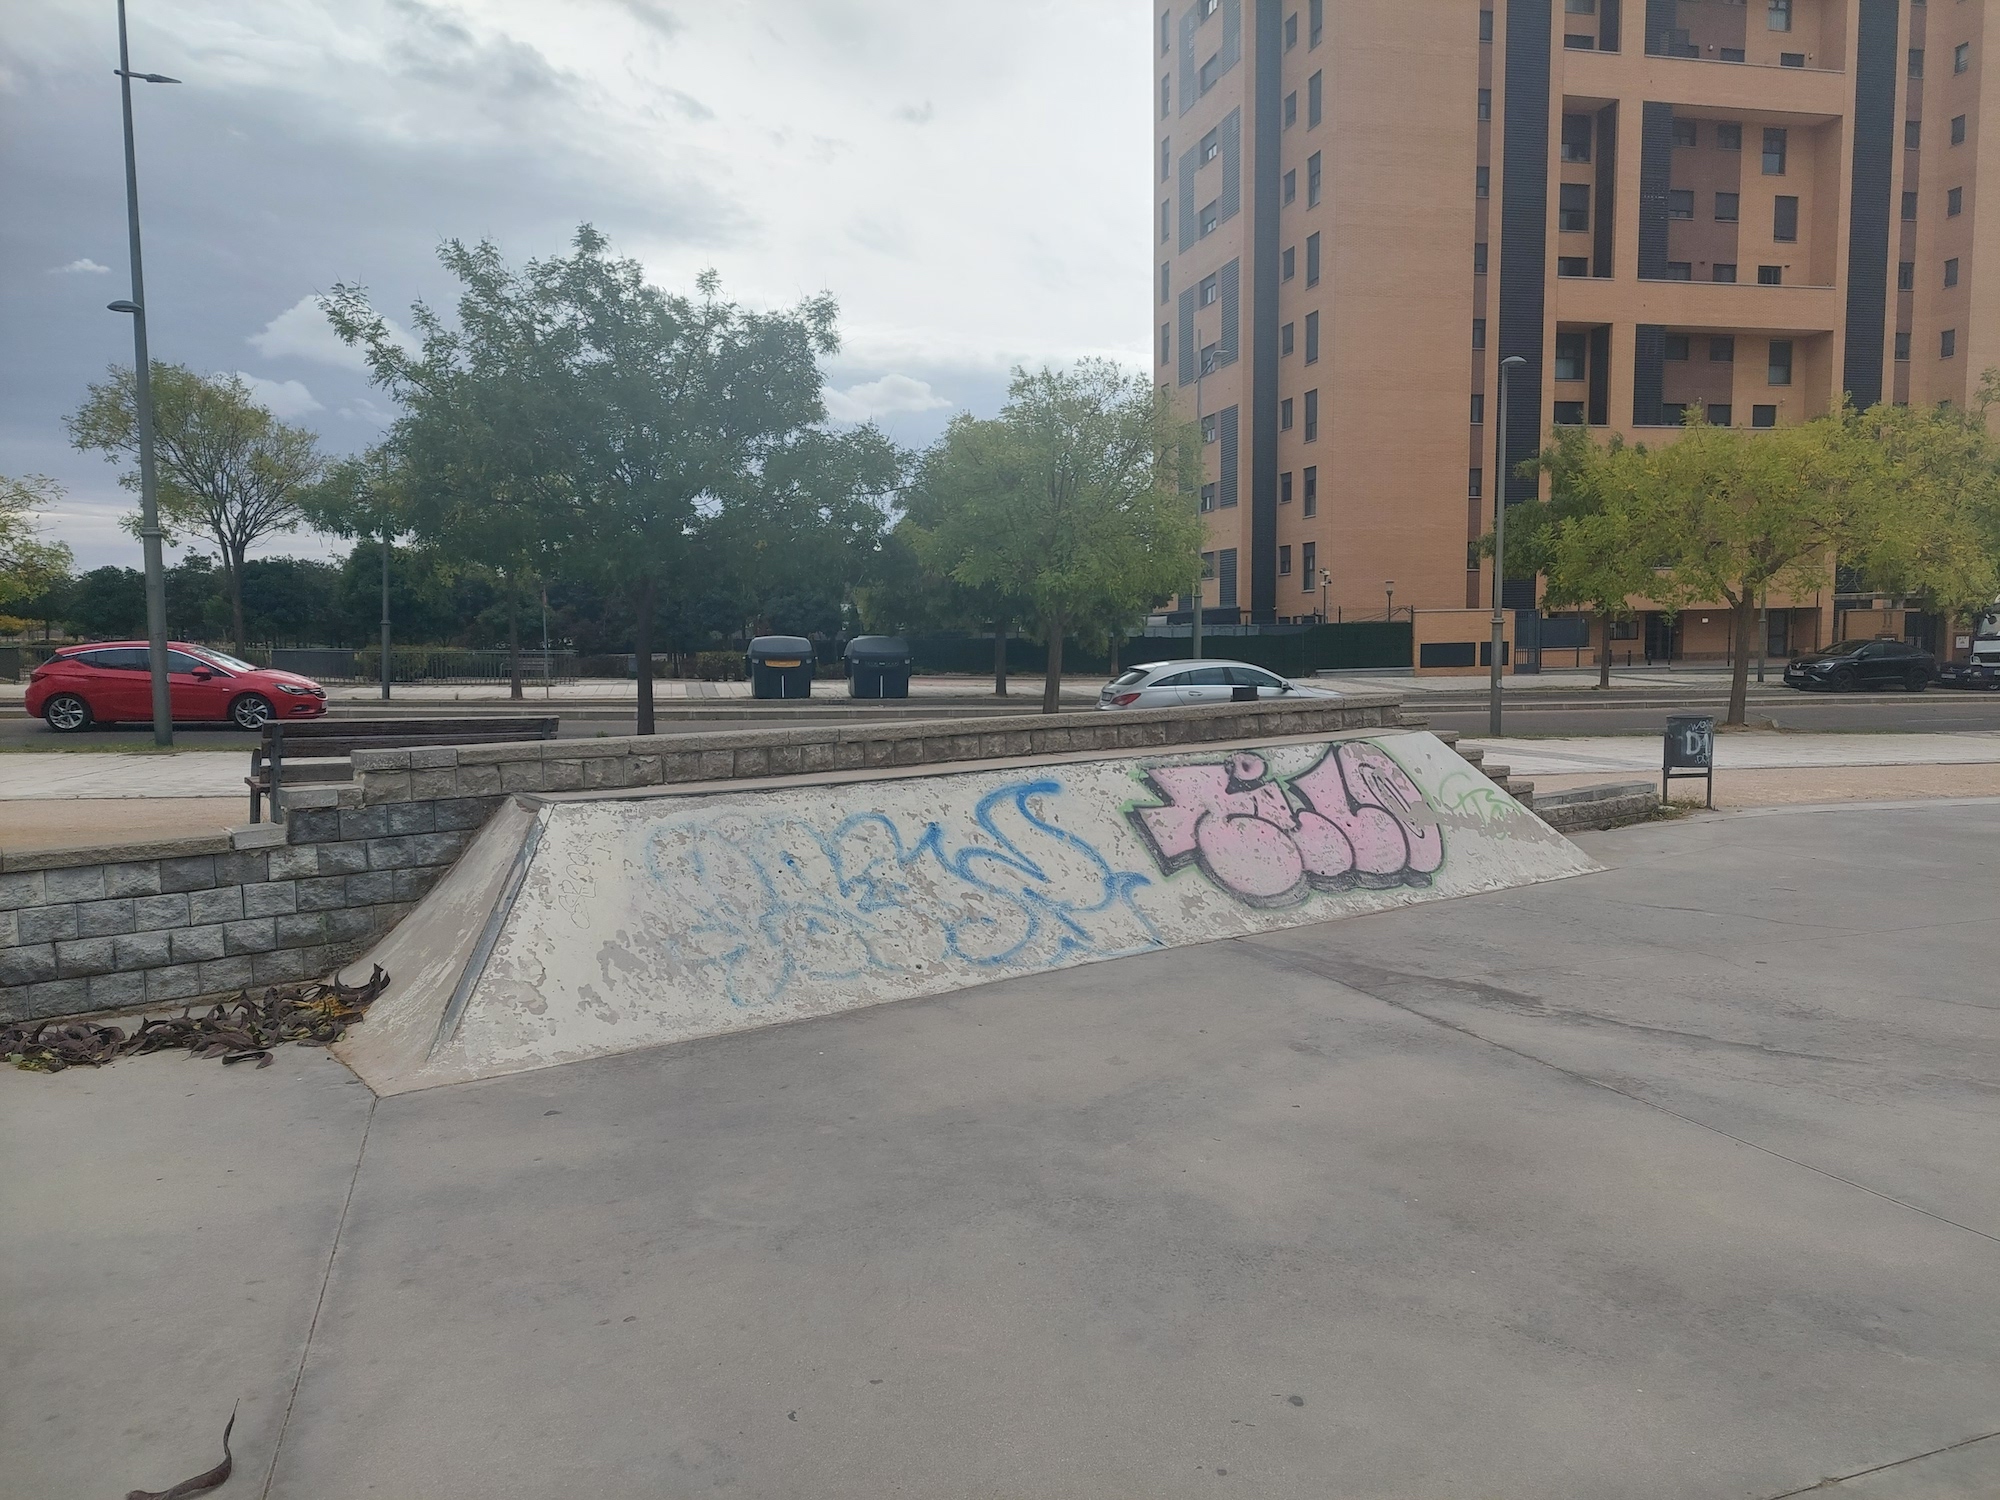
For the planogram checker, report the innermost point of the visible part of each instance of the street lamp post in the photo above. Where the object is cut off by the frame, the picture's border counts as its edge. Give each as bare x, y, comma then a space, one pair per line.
385, 611
142, 405
1194, 615
1508, 366
1325, 578
1389, 587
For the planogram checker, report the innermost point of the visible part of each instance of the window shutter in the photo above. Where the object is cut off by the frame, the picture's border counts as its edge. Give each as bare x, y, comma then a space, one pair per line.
1227, 442
1186, 334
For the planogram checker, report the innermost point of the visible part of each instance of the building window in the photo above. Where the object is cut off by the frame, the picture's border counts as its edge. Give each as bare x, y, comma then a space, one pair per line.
1778, 15
1791, 59
1166, 342
1724, 271
1312, 416
1315, 101
1951, 272
1680, 270
1731, 54
1309, 556
1312, 338
1166, 32
1478, 408
1909, 208
1284, 561
1291, 185
1685, 133
1680, 203
1211, 146
1961, 57
1785, 218
1580, 7
1479, 333
1954, 203
1958, 130
1210, 71
1479, 258
1291, 109
1770, 276
1209, 8
1285, 338
1166, 98
1729, 135
1166, 271
1568, 413
1290, 260
1285, 415
1579, 41
1572, 265
1576, 138
1913, 134
1312, 260
1916, 62
1482, 182
1291, 31
1779, 369
1486, 26
1285, 488
1211, 290
1571, 350
1315, 21
1486, 104
1210, 218
1573, 208
1727, 206
1310, 504
1210, 362
1208, 498
1166, 222
1948, 343
1312, 180
1722, 349
1475, 480
1675, 346
1774, 151
1720, 414
1906, 276
1208, 428
1763, 416
1902, 346
1167, 159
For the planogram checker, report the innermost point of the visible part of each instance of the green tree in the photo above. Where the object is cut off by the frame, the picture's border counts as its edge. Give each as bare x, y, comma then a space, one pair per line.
1941, 477
107, 603
1078, 499
229, 471
31, 570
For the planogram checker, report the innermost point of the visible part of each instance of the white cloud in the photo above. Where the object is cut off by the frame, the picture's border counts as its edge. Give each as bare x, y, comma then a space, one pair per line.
888, 396
301, 331
283, 399
82, 266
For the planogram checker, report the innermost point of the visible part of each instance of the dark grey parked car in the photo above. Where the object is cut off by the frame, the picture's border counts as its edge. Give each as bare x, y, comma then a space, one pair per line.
1848, 665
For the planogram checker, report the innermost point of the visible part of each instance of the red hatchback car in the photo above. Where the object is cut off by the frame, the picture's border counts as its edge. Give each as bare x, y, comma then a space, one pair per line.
110, 682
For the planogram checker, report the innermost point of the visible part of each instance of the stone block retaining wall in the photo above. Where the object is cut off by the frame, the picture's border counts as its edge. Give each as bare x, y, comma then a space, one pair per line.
152, 924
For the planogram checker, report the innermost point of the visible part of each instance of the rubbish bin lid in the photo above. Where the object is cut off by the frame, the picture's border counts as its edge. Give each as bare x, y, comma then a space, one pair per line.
764, 647
878, 648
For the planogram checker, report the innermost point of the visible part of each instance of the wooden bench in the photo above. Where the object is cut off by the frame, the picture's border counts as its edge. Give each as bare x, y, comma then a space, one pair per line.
327, 745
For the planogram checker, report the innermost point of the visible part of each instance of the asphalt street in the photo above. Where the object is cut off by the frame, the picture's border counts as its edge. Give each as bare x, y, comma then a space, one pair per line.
1574, 714
1679, 1179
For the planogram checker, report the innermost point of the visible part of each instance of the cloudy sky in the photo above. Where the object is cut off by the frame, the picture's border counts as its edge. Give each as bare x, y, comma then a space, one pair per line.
968, 179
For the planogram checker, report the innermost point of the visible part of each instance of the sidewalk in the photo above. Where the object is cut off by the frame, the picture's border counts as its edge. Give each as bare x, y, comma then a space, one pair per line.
1708, 677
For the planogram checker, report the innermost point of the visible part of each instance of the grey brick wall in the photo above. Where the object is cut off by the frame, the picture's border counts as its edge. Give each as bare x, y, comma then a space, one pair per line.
98, 929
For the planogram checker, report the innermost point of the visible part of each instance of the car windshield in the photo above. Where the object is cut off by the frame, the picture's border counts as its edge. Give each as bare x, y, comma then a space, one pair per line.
223, 659
1843, 648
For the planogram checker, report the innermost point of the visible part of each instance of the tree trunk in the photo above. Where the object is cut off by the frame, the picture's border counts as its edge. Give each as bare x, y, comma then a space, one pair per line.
1744, 615
233, 561
514, 635
1604, 652
1052, 678
642, 653
999, 661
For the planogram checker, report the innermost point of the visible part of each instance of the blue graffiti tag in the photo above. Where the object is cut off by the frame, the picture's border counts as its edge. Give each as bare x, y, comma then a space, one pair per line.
773, 901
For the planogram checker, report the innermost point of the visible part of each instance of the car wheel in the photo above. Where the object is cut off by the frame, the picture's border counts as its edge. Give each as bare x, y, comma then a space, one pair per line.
1917, 681
66, 713
250, 711
1842, 681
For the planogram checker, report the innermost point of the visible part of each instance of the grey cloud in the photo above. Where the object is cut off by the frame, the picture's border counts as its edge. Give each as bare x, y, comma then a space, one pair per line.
651, 15
917, 114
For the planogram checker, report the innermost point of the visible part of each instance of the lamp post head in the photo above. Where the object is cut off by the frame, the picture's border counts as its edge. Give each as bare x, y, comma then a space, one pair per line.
144, 77
124, 307
1514, 362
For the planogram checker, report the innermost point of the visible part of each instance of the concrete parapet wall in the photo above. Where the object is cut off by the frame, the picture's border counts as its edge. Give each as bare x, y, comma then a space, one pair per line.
152, 924
1576, 809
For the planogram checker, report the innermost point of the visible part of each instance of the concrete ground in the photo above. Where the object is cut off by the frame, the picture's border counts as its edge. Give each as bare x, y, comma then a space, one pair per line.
1678, 1179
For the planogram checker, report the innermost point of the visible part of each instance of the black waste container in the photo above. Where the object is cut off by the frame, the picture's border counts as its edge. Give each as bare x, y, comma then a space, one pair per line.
780, 666
878, 666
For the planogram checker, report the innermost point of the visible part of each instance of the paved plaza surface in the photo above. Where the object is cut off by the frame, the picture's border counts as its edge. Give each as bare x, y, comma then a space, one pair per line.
1678, 1179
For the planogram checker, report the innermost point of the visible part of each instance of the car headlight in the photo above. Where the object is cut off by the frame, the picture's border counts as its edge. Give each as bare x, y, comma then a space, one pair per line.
294, 689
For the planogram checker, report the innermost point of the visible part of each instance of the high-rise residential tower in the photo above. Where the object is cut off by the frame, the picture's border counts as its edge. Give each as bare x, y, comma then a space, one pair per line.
1364, 205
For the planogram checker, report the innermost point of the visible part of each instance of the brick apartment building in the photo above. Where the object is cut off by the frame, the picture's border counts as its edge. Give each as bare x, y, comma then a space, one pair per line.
1363, 205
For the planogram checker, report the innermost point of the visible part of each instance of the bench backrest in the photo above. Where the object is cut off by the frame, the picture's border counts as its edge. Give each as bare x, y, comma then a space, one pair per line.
333, 739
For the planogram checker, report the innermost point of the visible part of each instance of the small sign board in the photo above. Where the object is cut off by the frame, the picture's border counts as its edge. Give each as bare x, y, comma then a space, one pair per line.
1689, 752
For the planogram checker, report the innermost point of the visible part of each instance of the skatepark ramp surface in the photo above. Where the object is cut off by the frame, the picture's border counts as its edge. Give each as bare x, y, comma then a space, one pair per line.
577, 927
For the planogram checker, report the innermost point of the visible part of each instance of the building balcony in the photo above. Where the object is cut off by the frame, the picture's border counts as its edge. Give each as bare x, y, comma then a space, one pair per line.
1698, 304
1818, 92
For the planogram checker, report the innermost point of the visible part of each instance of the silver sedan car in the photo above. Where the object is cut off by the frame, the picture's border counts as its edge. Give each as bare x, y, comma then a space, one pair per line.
1185, 684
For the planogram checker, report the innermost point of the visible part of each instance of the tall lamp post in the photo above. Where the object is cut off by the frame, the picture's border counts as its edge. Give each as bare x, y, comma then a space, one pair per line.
1389, 588
1508, 366
385, 611
1194, 615
1325, 578
142, 403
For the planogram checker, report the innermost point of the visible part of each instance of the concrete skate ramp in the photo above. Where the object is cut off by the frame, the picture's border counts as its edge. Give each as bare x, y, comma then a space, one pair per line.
575, 928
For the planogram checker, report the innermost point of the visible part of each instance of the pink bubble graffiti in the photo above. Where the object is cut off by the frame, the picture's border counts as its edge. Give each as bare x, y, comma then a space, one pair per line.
1355, 818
